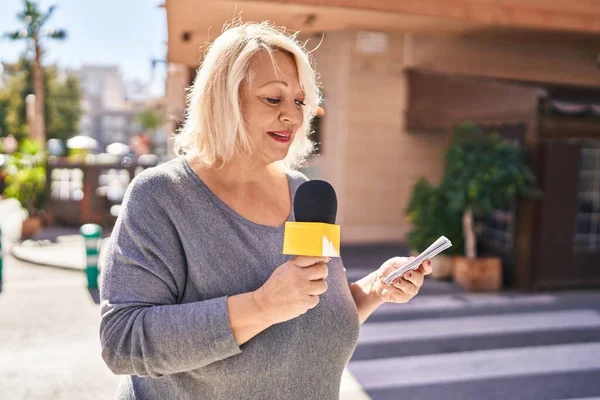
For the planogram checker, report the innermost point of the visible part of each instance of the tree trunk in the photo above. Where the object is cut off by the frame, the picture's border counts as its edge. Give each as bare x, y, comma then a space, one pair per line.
469, 234
38, 85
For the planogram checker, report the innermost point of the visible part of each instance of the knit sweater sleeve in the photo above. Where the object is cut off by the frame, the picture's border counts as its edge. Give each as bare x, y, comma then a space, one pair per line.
144, 329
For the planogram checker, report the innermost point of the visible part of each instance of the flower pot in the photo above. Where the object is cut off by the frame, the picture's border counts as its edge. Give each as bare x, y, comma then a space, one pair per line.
480, 274
442, 267
30, 227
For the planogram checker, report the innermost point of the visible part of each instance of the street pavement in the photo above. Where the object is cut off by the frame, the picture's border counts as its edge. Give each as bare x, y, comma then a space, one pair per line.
445, 343
483, 346
49, 346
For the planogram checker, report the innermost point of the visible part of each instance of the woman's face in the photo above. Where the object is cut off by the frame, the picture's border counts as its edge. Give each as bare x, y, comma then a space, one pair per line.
272, 103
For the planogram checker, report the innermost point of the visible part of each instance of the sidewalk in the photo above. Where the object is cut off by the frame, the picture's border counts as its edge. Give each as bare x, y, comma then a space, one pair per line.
58, 247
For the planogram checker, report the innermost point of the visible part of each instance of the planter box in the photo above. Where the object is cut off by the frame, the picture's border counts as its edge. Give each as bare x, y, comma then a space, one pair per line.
30, 227
480, 274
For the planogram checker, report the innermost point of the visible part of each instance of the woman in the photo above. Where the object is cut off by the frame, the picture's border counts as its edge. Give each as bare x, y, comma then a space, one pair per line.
197, 300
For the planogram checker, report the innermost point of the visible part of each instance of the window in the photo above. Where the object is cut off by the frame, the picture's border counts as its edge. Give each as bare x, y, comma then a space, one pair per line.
587, 219
66, 184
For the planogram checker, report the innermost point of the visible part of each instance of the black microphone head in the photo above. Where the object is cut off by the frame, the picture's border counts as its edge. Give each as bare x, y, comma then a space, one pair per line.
315, 201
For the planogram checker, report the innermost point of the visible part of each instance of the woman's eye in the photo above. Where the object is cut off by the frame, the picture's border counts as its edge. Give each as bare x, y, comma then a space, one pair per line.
271, 100
300, 102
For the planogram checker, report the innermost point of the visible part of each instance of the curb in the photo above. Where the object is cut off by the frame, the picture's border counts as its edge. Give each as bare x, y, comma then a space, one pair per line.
69, 254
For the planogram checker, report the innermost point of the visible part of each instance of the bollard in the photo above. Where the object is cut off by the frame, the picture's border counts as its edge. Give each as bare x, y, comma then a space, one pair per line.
0, 254
91, 234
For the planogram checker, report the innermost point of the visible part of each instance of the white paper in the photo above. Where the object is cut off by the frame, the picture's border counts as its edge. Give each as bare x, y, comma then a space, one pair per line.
436, 248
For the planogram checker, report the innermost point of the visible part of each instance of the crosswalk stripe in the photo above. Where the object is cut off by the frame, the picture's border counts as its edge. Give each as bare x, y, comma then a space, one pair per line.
476, 365
467, 301
439, 328
585, 398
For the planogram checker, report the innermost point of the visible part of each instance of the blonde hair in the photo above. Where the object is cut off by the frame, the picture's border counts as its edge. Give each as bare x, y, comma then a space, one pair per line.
214, 128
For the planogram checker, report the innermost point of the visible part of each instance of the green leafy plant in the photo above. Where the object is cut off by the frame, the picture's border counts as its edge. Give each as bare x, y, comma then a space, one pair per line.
431, 218
483, 173
62, 112
149, 119
28, 187
26, 180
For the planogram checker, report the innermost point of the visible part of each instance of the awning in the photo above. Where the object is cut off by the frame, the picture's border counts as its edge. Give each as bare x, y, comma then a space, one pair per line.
437, 101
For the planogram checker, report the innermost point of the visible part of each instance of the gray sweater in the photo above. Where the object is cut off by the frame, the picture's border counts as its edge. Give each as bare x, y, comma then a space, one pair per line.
176, 252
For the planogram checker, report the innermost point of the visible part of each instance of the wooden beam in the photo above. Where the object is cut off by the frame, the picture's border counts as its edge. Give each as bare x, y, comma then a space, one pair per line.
573, 15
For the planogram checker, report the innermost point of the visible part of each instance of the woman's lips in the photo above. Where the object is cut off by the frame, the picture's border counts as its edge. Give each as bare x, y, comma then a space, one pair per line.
281, 136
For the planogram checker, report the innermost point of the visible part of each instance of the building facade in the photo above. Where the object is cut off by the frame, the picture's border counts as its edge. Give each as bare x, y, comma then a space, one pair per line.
397, 76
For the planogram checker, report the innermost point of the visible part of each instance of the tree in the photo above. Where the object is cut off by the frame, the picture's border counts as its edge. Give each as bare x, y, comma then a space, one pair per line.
18, 86
149, 119
4, 103
483, 173
430, 217
62, 107
34, 33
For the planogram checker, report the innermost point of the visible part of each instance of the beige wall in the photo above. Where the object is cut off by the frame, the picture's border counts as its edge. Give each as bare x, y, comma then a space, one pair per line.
368, 156
178, 79
333, 61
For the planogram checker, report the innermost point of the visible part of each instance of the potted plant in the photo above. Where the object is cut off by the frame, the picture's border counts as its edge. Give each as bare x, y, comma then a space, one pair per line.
483, 173
26, 182
430, 217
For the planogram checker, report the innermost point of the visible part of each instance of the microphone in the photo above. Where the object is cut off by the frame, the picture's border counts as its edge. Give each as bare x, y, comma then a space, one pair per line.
314, 233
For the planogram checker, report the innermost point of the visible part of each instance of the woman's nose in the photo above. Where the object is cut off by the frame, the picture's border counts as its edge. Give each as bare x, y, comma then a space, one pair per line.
291, 115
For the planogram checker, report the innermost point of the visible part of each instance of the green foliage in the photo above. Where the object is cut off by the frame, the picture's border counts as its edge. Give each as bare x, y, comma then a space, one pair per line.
431, 218
149, 119
26, 180
18, 86
484, 173
63, 104
29, 147
33, 32
28, 187
3, 114
62, 107
34, 21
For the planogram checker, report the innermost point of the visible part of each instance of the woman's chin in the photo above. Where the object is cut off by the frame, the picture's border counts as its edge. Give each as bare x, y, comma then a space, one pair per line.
274, 156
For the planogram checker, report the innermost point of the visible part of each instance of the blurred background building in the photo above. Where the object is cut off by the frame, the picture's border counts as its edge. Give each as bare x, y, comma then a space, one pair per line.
112, 107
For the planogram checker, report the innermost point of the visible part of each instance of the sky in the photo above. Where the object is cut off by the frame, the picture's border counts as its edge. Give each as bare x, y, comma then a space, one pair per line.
125, 33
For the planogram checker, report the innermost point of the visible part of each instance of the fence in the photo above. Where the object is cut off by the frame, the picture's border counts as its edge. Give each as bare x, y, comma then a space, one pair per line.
90, 191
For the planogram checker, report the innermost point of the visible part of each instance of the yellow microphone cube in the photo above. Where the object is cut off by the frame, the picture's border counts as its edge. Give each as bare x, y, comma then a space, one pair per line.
315, 239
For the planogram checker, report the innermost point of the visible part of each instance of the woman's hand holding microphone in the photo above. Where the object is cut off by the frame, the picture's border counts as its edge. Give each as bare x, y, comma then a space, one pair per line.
293, 288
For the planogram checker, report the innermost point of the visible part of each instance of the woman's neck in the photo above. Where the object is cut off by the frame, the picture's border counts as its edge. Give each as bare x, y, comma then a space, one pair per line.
239, 171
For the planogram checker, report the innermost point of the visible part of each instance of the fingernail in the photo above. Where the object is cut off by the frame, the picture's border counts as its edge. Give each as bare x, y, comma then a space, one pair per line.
408, 275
